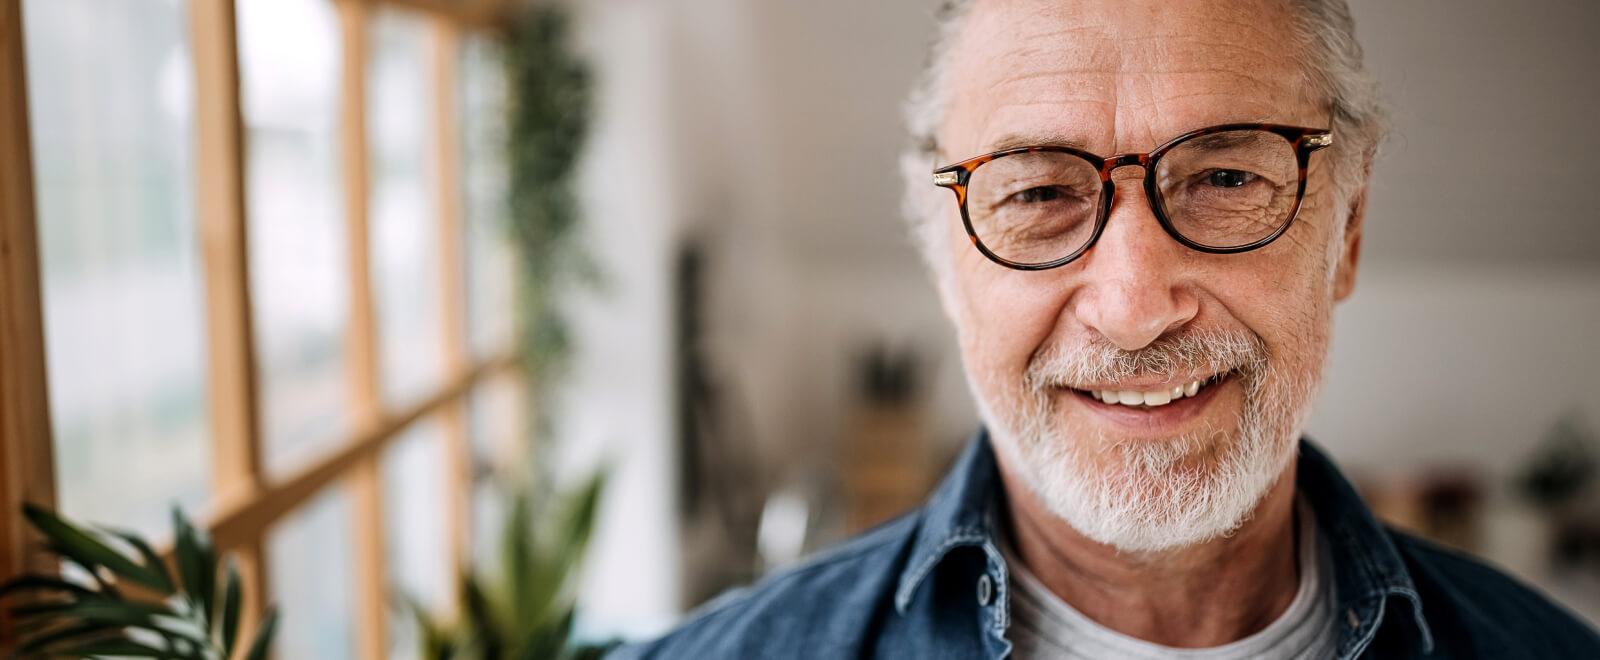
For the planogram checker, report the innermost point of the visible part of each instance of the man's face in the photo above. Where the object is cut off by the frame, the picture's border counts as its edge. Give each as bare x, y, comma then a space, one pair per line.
1139, 312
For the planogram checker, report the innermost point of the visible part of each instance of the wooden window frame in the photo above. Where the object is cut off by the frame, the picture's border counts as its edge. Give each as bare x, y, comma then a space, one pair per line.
246, 503
27, 462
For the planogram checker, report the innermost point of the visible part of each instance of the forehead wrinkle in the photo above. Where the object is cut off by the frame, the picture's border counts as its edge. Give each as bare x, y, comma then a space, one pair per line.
1243, 110
1119, 86
1066, 78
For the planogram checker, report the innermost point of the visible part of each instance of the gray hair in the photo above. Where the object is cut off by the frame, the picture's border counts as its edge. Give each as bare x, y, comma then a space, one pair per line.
1325, 34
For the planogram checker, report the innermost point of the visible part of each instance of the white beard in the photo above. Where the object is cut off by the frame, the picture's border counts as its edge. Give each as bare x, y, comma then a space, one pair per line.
1148, 497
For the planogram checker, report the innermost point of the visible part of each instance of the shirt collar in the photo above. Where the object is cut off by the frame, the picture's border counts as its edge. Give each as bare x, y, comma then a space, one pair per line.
956, 516
1368, 568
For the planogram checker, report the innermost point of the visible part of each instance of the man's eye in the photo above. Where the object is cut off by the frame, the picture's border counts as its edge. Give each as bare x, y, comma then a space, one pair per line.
1038, 195
1229, 178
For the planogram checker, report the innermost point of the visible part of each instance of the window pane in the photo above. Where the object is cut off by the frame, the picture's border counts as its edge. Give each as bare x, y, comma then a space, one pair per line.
489, 511
110, 98
290, 75
491, 264
495, 425
498, 426
311, 572
405, 274
415, 527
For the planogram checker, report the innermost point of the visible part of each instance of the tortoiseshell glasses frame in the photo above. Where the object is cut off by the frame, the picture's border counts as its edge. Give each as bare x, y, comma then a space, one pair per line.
1304, 141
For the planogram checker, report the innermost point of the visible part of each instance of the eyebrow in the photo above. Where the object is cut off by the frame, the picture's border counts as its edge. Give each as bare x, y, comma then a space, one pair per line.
1017, 140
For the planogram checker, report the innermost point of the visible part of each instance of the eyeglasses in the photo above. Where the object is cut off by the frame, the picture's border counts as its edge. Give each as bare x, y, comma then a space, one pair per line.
1223, 189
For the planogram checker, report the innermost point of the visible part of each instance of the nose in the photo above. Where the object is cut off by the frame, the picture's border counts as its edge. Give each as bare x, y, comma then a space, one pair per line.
1135, 285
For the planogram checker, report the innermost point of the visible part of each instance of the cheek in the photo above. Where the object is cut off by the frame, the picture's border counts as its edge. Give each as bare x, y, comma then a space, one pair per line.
1005, 315
1002, 314
1288, 300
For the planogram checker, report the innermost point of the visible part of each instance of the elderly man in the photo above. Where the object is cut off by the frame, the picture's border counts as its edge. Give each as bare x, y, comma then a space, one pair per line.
1156, 205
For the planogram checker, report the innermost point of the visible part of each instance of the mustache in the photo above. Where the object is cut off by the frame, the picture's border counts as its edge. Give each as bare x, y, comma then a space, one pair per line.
1190, 353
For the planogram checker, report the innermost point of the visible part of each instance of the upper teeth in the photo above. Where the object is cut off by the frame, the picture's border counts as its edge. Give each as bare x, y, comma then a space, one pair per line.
1156, 398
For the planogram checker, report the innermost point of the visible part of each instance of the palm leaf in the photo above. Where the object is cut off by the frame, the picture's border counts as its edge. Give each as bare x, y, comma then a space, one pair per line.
130, 612
229, 625
124, 647
549, 575
482, 624
152, 561
80, 632
94, 572
516, 549
263, 643
197, 565
41, 583
437, 637
527, 611
65, 619
546, 642
88, 551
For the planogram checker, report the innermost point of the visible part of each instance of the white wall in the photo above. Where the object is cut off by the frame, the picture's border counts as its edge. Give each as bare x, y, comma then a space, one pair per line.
1493, 103
1473, 323
617, 408
1459, 365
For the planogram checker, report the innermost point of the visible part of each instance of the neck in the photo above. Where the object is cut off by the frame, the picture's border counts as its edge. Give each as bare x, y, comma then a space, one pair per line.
1168, 598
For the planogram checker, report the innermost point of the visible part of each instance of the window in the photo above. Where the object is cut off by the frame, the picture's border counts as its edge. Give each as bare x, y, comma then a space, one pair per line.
113, 136
251, 267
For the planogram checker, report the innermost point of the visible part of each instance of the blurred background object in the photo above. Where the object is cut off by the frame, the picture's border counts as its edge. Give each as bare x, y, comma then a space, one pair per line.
763, 363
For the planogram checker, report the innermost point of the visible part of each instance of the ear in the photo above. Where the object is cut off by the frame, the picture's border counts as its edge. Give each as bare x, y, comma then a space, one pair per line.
1344, 277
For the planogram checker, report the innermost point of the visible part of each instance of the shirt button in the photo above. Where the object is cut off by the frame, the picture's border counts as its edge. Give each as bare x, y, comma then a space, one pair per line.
985, 590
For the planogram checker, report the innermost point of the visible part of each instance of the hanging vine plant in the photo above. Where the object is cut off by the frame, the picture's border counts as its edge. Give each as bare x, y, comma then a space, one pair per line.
548, 107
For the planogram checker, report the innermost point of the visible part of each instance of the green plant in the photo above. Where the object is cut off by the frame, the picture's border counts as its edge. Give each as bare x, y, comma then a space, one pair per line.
192, 617
1563, 467
548, 118
521, 609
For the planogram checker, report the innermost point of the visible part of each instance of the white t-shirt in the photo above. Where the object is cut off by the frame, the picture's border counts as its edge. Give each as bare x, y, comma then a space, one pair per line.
1044, 626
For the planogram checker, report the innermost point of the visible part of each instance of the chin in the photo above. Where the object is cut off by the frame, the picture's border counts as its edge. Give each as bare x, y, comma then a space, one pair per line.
1154, 495
1150, 497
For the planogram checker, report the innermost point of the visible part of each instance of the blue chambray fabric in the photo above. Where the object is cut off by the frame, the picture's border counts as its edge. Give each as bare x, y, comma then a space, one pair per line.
931, 584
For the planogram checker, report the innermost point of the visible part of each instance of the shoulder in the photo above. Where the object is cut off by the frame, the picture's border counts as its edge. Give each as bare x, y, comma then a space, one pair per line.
1467, 600
824, 607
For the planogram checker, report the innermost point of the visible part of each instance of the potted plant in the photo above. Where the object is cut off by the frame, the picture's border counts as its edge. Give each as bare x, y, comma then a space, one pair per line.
125, 601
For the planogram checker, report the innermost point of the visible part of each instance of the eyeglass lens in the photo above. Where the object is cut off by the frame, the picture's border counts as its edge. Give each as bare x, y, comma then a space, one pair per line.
1220, 190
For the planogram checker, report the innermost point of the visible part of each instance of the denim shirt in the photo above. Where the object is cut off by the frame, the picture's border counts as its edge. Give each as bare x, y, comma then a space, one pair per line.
931, 584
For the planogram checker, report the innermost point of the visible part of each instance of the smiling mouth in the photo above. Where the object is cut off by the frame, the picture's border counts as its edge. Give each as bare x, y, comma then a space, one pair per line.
1146, 399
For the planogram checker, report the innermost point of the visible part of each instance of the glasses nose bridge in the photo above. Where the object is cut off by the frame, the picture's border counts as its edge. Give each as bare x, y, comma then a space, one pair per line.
1124, 160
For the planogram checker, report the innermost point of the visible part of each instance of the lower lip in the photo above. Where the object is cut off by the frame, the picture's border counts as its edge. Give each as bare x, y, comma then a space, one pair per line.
1158, 417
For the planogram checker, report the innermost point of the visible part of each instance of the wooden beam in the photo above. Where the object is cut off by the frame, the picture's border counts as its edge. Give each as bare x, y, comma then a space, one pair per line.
493, 15
232, 528
27, 463
361, 345
236, 469
450, 237
220, 189
371, 574
240, 528
453, 11
251, 564
438, 8
462, 14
